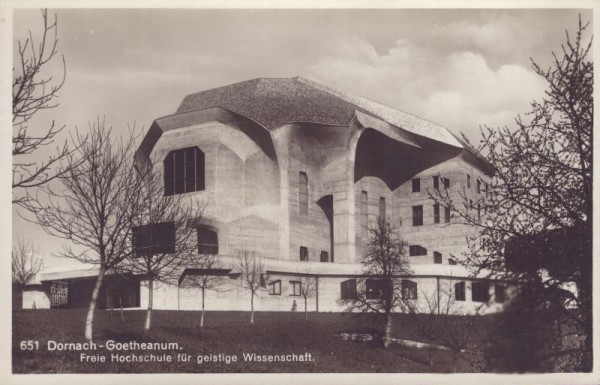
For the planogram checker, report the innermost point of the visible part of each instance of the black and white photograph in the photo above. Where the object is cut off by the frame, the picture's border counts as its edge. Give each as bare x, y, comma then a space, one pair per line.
314, 191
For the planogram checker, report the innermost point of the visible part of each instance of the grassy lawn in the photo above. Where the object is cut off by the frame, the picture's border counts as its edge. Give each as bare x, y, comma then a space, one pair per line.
228, 333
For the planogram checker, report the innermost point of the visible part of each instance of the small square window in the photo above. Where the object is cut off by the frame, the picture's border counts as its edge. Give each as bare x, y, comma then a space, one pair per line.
348, 289
373, 288
451, 261
446, 183
275, 288
437, 257
324, 256
303, 253
480, 291
296, 288
416, 185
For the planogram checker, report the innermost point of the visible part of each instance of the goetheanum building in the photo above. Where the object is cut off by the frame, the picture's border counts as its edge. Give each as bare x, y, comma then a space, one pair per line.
297, 171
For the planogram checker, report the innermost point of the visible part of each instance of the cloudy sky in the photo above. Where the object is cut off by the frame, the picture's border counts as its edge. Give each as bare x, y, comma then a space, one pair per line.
459, 68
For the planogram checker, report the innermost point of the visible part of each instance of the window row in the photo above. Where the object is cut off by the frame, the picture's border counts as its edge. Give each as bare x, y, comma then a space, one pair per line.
374, 289
416, 183
418, 251
295, 288
159, 238
323, 257
479, 185
480, 292
417, 214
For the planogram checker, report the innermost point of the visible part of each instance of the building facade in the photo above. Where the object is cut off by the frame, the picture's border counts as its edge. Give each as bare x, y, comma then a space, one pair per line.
297, 172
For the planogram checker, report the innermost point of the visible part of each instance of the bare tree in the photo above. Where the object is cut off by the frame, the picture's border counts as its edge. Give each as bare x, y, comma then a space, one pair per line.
163, 234
96, 204
252, 274
35, 90
206, 276
542, 195
309, 287
381, 290
26, 263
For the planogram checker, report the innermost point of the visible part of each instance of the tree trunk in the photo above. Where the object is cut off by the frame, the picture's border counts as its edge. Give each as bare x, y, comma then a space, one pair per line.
89, 321
455, 365
150, 299
202, 314
121, 304
388, 331
305, 310
252, 309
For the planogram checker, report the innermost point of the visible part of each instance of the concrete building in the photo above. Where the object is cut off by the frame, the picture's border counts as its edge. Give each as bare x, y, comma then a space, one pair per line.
297, 171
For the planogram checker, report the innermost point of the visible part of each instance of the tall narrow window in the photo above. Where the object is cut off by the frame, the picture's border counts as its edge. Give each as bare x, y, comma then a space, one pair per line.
459, 291
348, 289
478, 186
437, 257
382, 208
303, 193
447, 214
436, 182
416, 185
478, 211
487, 190
468, 181
417, 215
436, 213
499, 293
208, 241
303, 253
184, 171
409, 289
364, 213
480, 291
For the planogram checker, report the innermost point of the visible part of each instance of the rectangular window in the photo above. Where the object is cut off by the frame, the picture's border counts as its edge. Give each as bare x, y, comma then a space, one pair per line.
153, 239
303, 193
409, 289
179, 172
436, 182
478, 186
468, 181
437, 257
348, 289
275, 288
487, 189
478, 211
447, 214
416, 250
480, 291
382, 208
416, 185
373, 288
446, 182
303, 253
417, 215
364, 213
459, 292
436, 213
296, 288
324, 256
499, 293
208, 241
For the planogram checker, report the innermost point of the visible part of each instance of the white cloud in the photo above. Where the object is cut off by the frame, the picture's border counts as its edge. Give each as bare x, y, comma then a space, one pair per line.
459, 90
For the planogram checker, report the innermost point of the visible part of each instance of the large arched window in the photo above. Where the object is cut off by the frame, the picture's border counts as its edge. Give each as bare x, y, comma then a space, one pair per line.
184, 171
